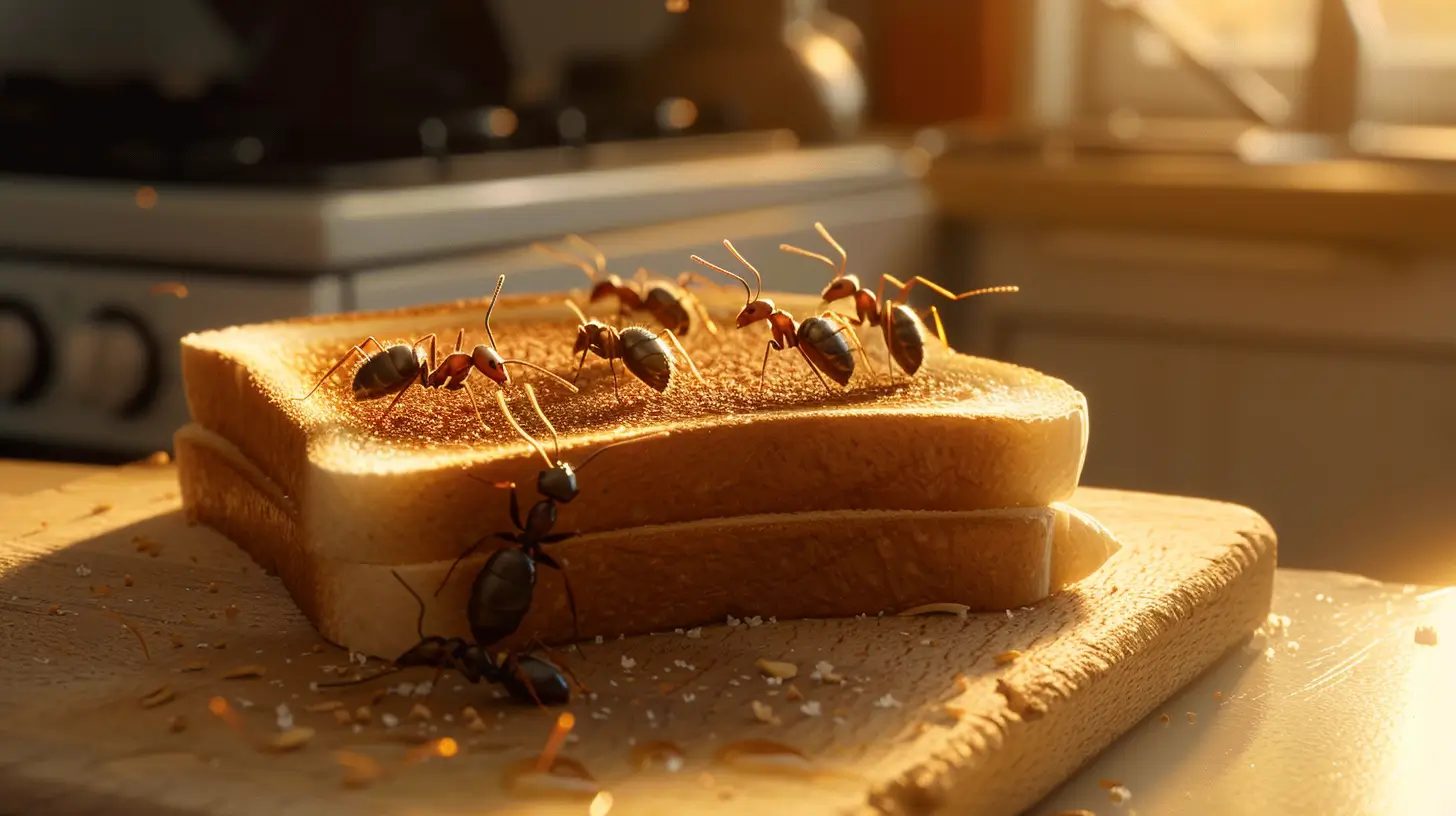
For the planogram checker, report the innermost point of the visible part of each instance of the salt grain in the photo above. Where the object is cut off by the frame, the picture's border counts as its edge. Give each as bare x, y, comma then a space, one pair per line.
695, 632
83, 570
628, 663
688, 698
887, 701
732, 621
811, 708
389, 720
285, 717
1119, 794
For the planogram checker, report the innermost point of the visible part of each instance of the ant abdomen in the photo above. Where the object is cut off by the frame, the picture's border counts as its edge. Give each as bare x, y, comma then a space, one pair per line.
645, 356
527, 677
907, 338
824, 343
386, 373
501, 595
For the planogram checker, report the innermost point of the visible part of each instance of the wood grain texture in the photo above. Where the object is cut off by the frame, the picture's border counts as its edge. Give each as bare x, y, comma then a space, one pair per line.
1193, 578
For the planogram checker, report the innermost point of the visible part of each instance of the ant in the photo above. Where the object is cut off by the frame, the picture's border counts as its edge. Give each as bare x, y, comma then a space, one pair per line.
903, 330
672, 305
526, 677
640, 349
503, 589
821, 344
394, 369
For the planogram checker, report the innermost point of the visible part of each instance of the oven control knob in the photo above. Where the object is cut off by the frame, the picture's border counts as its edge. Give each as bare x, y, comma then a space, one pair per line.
112, 363
25, 362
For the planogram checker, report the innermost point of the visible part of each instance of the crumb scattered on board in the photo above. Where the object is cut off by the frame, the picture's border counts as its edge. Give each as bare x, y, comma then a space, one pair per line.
1426, 635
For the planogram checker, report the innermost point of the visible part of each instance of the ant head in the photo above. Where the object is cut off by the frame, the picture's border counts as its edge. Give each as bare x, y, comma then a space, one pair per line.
489, 362
755, 311
584, 335
841, 288
558, 483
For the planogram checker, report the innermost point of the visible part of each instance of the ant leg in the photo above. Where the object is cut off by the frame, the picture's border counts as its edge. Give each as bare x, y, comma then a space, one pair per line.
616, 387
814, 369
342, 360
543, 558
579, 365
416, 345
939, 327
680, 350
763, 372
397, 397
459, 341
470, 392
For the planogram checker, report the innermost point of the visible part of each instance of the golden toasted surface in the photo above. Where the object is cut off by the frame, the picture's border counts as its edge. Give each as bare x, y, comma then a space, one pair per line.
287, 358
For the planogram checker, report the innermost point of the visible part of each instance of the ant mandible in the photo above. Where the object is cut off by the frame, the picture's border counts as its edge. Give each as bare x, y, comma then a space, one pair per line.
821, 344
901, 326
394, 369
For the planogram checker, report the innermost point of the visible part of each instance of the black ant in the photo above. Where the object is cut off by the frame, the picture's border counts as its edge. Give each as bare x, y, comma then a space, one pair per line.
903, 330
640, 349
672, 305
822, 345
394, 369
528, 678
503, 589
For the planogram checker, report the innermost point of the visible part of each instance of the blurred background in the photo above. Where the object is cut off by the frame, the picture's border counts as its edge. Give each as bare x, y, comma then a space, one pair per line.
1234, 221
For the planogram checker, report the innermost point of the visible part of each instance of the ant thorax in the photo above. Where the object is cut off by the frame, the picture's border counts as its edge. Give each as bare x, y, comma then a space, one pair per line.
558, 483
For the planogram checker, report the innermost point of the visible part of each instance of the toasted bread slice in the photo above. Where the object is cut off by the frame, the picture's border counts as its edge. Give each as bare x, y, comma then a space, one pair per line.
895, 492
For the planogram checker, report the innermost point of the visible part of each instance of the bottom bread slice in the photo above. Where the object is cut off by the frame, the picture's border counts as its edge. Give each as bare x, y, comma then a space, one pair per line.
660, 578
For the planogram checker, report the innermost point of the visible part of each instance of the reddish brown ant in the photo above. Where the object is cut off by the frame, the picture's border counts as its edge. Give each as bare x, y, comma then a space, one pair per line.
394, 369
821, 344
640, 349
903, 330
671, 305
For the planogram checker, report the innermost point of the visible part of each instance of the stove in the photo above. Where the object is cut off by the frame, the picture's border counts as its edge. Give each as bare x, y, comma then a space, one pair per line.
290, 159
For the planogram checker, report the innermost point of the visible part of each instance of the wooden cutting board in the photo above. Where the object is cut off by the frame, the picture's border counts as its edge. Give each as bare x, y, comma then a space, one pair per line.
925, 720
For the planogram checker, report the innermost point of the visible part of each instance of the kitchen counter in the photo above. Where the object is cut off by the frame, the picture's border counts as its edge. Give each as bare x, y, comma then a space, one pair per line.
1350, 201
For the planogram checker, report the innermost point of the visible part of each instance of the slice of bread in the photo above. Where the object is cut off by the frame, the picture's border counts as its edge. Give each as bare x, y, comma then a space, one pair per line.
786, 500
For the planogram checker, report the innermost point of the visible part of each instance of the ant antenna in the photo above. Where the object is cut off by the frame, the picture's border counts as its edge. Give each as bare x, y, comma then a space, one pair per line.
816, 256
420, 621
491, 308
567, 259
619, 443
596, 254
579, 314
843, 256
757, 277
747, 290
555, 440
500, 398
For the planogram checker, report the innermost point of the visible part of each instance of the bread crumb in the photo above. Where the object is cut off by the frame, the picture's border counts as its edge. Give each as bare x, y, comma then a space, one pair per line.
212, 587
343, 717
1007, 657
954, 712
100, 508
1426, 635
763, 713
127, 580
177, 724
476, 725
290, 740
1218, 696
359, 769
388, 720
231, 611
284, 717
193, 666
793, 693
469, 713
83, 571
161, 457
1164, 719
54, 609
777, 669
327, 705
887, 701
695, 632
628, 663
732, 621
1192, 717
811, 708
419, 712
104, 590
753, 621
824, 673
158, 696
245, 672
363, 715
1119, 795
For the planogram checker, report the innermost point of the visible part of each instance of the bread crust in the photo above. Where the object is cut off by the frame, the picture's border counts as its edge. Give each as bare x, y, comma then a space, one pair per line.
797, 502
